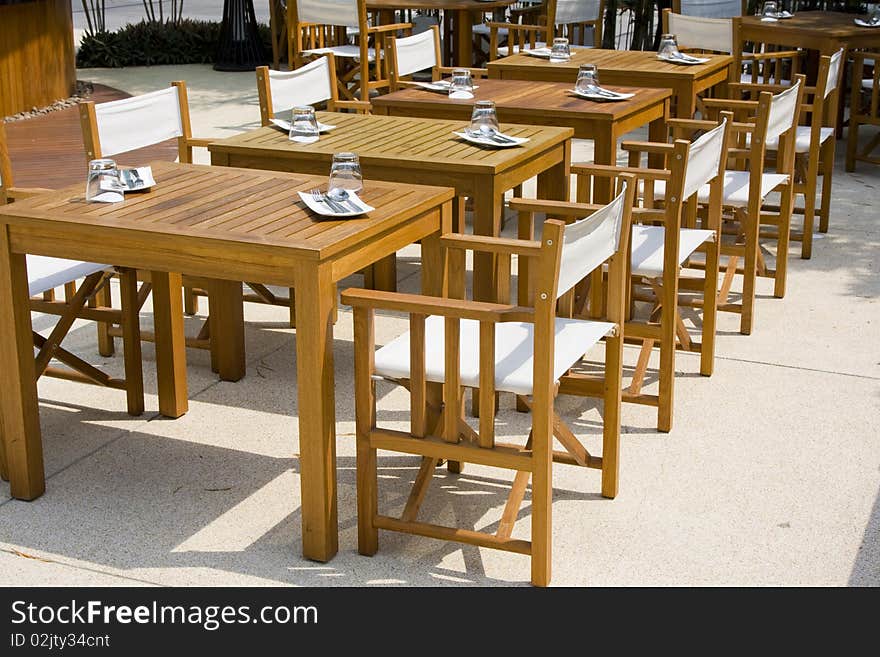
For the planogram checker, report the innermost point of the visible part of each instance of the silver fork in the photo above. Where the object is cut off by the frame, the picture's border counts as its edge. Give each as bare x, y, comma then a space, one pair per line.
321, 197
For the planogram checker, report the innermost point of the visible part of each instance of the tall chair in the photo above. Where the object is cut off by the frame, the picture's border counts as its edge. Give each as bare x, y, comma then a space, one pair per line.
311, 84
864, 108
747, 183
664, 238
568, 18
525, 350
318, 27
419, 52
83, 300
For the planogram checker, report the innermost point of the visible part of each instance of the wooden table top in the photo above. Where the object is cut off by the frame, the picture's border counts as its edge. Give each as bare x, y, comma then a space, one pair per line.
423, 144
528, 99
832, 24
242, 207
616, 61
468, 5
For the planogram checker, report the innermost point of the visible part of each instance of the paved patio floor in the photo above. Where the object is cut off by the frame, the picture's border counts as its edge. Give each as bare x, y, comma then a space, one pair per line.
769, 477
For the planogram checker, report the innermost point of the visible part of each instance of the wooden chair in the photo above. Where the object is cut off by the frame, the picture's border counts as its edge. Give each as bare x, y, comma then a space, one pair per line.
747, 184
317, 27
86, 300
710, 8
764, 62
814, 142
419, 52
526, 350
664, 238
564, 18
864, 108
697, 33
312, 84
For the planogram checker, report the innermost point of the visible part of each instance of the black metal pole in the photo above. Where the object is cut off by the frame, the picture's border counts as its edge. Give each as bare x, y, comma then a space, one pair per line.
240, 48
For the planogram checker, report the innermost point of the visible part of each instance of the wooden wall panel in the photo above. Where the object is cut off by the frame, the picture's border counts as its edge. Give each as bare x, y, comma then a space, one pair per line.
37, 64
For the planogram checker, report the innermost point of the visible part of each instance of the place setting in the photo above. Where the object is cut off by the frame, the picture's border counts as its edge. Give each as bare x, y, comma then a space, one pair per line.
587, 86
108, 183
304, 127
459, 87
669, 52
341, 199
870, 20
484, 129
559, 51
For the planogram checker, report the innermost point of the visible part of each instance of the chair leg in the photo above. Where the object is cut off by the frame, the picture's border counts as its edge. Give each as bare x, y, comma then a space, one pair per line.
784, 233
852, 144
542, 497
131, 341
750, 273
365, 408
103, 297
190, 302
827, 158
809, 188
710, 309
611, 416
291, 297
4, 468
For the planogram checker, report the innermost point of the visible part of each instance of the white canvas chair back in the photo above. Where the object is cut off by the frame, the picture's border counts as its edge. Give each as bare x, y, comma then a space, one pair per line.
589, 242
415, 53
833, 72
712, 8
704, 160
576, 11
702, 33
783, 109
130, 123
328, 12
307, 85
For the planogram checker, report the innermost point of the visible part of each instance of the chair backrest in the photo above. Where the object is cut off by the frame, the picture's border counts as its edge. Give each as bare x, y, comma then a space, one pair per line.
700, 33
590, 241
834, 73
308, 85
329, 12
783, 112
571, 18
704, 159
576, 11
123, 125
415, 53
710, 8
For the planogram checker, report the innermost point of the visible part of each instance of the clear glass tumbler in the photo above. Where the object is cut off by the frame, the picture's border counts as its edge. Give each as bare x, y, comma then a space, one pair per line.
462, 85
668, 46
484, 120
304, 126
770, 11
560, 51
588, 79
345, 176
104, 183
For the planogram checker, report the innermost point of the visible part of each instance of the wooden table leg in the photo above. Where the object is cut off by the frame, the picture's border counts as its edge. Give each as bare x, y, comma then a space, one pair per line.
554, 183
385, 273
170, 343
657, 132
488, 204
464, 33
604, 152
19, 413
227, 329
315, 301
685, 101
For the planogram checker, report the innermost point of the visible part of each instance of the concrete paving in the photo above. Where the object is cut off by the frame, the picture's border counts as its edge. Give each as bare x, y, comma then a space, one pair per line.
769, 477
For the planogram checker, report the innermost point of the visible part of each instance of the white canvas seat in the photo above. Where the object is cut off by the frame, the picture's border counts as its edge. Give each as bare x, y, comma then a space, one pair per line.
514, 353
350, 52
45, 273
647, 247
803, 138
736, 187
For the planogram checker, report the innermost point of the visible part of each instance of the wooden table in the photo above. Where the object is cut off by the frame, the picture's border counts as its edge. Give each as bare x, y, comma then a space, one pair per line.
824, 31
225, 224
622, 67
465, 13
544, 104
421, 151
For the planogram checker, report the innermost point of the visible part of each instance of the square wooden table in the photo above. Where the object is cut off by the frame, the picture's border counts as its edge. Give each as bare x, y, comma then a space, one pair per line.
824, 31
221, 223
635, 68
420, 151
544, 104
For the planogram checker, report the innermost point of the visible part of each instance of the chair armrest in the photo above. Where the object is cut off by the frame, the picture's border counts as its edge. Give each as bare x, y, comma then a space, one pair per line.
201, 143
728, 104
652, 147
443, 306
609, 170
21, 193
488, 244
775, 54
764, 86
391, 27
555, 208
361, 105
691, 124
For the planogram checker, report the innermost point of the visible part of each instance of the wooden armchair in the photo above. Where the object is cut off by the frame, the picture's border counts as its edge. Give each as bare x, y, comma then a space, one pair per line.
864, 108
526, 350
86, 300
311, 84
419, 52
568, 18
747, 183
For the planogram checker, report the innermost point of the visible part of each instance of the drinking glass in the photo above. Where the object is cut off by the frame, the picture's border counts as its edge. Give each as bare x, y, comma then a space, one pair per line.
462, 86
668, 46
484, 120
345, 175
770, 11
588, 79
560, 52
874, 13
304, 126
104, 182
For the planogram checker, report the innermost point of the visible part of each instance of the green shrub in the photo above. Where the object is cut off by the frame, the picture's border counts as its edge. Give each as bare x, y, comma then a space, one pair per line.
150, 44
